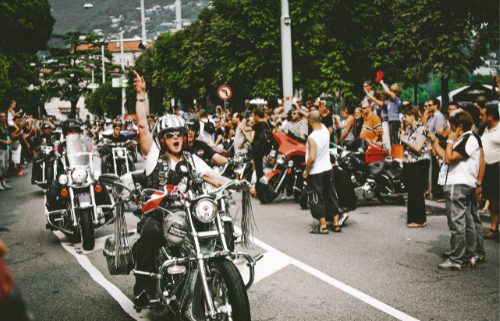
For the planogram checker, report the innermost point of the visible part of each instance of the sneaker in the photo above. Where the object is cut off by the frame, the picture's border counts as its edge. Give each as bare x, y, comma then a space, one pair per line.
2, 188
480, 258
342, 219
470, 262
287, 197
450, 265
5, 186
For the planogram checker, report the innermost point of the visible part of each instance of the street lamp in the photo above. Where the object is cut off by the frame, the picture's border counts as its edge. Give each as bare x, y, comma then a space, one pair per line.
286, 56
287, 21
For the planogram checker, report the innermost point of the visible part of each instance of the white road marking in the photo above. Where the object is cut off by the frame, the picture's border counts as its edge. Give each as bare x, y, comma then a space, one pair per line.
328, 279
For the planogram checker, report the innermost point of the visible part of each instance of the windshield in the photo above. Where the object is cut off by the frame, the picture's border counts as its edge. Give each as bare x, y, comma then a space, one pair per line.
79, 150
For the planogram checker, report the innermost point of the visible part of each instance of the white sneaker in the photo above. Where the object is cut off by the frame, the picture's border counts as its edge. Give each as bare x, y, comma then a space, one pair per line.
5, 186
2, 188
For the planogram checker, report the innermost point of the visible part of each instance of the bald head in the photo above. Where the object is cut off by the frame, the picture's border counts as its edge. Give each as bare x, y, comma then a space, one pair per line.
314, 116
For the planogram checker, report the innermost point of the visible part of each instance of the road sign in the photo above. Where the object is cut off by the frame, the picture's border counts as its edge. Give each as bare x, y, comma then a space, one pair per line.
224, 92
119, 82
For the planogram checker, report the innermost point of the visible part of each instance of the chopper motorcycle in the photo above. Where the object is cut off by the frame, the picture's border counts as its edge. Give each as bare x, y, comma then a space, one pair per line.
196, 275
47, 159
81, 204
371, 174
115, 157
288, 158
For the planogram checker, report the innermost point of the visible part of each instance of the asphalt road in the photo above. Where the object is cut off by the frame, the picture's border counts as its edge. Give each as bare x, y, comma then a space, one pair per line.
375, 264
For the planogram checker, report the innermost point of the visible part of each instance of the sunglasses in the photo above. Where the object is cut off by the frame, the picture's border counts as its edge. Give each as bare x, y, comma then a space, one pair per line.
170, 135
364, 108
427, 105
294, 113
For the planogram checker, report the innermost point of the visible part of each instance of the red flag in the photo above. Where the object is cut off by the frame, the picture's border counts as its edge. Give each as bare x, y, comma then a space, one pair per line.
380, 74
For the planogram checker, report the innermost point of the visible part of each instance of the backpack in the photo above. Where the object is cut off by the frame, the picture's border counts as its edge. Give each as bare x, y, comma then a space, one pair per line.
265, 140
209, 127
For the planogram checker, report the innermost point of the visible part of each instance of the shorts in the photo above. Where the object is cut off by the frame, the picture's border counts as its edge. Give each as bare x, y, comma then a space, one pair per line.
4, 161
491, 182
16, 155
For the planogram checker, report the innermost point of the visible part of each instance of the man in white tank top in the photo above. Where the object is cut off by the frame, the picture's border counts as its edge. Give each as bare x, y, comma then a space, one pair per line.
319, 174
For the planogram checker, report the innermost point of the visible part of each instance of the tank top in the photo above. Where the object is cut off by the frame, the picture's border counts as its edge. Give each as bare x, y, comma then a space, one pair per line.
322, 139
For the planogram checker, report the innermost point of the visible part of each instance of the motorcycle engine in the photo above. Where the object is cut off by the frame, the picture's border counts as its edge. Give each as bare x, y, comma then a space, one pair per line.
175, 227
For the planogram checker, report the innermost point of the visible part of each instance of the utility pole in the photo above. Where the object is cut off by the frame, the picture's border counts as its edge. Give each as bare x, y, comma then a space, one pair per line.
178, 16
286, 56
143, 19
123, 71
103, 68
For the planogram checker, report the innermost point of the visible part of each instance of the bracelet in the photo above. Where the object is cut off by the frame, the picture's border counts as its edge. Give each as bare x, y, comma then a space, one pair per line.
449, 141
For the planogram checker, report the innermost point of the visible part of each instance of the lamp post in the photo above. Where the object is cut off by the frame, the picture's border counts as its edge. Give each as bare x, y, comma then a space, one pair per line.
286, 56
178, 16
123, 71
143, 21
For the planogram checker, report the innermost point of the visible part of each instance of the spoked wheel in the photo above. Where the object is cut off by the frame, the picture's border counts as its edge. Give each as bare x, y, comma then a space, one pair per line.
266, 193
87, 227
228, 292
304, 200
389, 199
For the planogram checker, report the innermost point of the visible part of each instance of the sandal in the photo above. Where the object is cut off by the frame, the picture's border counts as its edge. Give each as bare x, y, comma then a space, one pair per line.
415, 225
427, 195
490, 234
337, 228
441, 200
319, 230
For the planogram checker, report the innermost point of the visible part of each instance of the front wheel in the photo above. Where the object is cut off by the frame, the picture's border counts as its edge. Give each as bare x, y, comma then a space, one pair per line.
304, 200
389, 199
227, 290
87, 228
265, 193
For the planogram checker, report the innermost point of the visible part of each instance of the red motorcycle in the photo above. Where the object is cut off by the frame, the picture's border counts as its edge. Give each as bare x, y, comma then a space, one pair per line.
289, 164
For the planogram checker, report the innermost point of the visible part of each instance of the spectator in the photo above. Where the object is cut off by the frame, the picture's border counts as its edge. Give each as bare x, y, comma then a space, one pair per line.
16, 134
393, 109
359, 120
327, 120
433, 118
239, 137
348, 135
299, 103
415, 167
248, 109
496, 83
372, 125
11, 113
220, 133
458, 176
319, 175
297, 125
4, 160
309, 105
491, 146
380, 99
367, 88
476, 117
445, 129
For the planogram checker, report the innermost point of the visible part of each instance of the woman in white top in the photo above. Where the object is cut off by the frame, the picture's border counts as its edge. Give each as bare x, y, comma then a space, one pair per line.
11, 113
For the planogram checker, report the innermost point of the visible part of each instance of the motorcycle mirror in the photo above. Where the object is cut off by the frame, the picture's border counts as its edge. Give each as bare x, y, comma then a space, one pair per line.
108, 179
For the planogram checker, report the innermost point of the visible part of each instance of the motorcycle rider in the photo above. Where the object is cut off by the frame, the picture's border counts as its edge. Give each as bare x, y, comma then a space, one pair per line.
202, 149
116, 137
44, 139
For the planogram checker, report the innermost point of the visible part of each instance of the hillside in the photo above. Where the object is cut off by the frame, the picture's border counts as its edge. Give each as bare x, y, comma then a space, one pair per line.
110, 17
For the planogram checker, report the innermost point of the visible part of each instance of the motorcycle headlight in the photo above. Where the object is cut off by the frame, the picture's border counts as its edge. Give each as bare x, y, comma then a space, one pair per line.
120, 153
290, 163
79, 175
272, 154
281, 159
63, 179
205, 211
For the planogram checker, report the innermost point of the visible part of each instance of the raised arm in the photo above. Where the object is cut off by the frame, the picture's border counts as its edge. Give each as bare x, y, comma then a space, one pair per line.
390, 93
140, 109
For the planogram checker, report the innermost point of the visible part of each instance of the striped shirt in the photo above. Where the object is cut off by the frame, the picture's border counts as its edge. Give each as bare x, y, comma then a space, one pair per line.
297, 128
372, 128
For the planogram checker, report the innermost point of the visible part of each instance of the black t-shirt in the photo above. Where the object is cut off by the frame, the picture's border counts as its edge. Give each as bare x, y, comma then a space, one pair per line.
247, 113
258, 128
328, 122
202, 150
119, 139
12, 129
4, 134
220, 131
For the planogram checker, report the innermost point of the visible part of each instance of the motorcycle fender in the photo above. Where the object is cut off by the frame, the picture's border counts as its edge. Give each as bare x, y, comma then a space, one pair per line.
188, 290
384, 181
83, 200
267, 177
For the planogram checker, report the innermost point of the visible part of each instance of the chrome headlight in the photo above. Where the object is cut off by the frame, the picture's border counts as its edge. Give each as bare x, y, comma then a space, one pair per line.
63, 179
205, 211
79, 175
272, 154
290, 163
120, 153
281, 159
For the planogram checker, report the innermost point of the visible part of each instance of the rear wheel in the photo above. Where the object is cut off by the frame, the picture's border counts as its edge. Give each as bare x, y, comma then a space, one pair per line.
304, 200
266, 193
87, 228
389, 199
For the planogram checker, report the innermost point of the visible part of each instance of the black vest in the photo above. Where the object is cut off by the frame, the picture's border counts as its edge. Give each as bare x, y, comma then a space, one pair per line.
163, 175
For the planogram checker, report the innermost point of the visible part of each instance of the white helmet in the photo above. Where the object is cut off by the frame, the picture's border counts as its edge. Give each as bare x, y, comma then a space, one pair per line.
166, 124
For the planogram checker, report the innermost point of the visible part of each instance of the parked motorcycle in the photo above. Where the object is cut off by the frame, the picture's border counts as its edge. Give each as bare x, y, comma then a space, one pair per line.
372, 175
83, 205
288, 160
196, 275
115, 157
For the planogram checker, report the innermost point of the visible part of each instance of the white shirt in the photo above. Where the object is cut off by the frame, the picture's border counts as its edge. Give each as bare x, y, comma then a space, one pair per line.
238, 139
491, 145
322, 139
151, 160
464, 172
209, 138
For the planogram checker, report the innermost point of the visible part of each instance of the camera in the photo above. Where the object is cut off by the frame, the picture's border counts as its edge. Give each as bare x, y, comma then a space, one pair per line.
426, 133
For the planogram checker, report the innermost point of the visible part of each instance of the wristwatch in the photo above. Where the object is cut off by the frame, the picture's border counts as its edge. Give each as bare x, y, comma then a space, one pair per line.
480, 185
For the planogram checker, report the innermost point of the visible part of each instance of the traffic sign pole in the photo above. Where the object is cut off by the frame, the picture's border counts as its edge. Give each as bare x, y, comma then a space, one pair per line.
286, 56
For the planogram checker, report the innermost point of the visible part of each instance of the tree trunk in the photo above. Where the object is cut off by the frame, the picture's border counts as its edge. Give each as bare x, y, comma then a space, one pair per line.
445, 98
415, 94
72, 114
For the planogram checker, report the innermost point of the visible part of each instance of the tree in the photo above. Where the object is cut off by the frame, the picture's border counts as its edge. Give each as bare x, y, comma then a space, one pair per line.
70, 67
105, 99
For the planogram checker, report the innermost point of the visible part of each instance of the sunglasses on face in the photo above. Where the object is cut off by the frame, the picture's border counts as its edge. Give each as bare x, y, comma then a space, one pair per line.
427, 105
173, 134
294, 113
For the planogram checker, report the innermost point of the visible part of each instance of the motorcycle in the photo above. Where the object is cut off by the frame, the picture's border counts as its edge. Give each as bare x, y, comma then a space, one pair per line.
372, 175
288, 160
240, 164
78, 213
115, 157
47, 159
196, 275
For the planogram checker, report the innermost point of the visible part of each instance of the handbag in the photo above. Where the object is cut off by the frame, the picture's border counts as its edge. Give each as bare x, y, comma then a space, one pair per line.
15, 145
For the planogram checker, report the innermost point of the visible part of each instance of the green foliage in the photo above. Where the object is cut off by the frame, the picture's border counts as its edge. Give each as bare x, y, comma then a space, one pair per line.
71, 66
104, 99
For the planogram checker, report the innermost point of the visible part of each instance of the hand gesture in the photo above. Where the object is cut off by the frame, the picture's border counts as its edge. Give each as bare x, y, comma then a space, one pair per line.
453, 136
139, 84
430, 137
403, 137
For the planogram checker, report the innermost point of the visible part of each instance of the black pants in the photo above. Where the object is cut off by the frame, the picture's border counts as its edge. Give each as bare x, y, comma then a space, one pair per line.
322, 195
394, 127
36, 172
415, 180
258, 157
150, 240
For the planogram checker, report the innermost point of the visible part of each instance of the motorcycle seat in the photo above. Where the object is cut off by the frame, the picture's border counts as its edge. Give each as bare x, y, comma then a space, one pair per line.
138, 177
394, 174
376, 167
